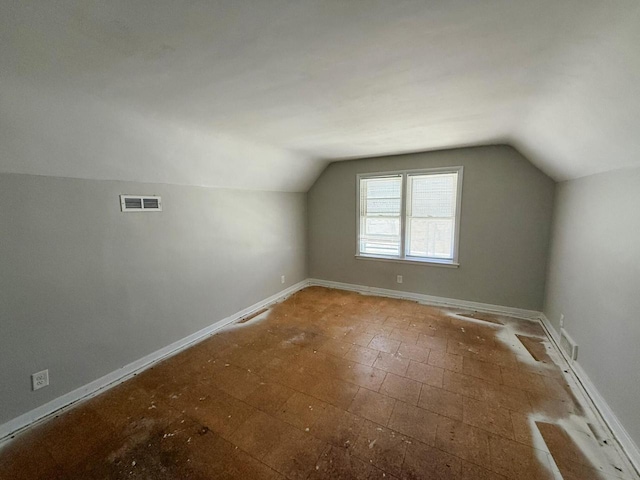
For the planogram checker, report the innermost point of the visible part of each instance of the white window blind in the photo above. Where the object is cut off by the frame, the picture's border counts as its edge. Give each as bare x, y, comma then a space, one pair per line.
380, 215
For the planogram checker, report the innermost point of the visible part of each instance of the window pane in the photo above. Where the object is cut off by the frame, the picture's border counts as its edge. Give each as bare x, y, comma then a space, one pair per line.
380, 236
380, 196
383, 187
382, 226
380, 206
431, 211
433, 195
430, 237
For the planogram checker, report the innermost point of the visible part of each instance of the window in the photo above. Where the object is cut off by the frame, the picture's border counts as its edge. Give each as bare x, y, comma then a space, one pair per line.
410, 216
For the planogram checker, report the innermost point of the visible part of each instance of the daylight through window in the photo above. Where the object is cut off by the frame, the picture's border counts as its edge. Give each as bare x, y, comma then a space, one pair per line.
412, 215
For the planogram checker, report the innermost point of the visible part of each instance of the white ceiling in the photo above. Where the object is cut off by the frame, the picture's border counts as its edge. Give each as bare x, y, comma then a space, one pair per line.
262, 94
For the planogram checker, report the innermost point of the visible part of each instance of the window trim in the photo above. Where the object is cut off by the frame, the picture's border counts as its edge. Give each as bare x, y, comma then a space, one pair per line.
403, 258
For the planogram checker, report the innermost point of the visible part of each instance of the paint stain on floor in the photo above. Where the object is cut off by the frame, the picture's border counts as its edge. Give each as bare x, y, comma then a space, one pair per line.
485, 317
335, 385
537, 348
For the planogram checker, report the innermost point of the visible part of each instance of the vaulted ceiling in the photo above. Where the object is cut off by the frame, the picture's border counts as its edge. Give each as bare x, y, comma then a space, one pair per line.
262, 94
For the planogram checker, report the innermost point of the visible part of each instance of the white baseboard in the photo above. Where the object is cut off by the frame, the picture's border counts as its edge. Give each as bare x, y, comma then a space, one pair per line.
551, 331
430, 299
599, 403
12, 427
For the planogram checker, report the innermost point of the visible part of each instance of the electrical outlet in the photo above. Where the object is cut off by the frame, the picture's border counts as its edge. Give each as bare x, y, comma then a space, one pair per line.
40, 379
399, 278
561, 320
282, 279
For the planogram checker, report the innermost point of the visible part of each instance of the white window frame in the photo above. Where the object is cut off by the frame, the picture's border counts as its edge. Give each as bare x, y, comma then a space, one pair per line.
403, 258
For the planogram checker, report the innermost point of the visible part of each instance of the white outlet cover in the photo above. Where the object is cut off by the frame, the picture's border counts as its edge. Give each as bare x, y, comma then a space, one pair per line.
399, 279
282, 279
40, 379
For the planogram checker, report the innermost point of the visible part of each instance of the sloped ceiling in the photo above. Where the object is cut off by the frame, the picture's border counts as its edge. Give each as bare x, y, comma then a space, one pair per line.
262, 94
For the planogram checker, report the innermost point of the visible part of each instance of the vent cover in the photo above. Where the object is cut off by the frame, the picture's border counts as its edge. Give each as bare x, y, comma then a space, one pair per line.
568, 345
140, 203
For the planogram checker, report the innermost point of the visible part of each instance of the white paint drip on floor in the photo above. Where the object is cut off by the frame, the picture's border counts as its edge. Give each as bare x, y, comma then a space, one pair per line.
605, 454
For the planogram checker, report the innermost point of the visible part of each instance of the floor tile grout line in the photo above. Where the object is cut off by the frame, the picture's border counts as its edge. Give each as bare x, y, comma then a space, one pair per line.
195, 420
377, 391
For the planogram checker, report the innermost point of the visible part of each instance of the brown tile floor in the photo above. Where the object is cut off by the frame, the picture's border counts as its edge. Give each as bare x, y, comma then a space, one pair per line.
330, 384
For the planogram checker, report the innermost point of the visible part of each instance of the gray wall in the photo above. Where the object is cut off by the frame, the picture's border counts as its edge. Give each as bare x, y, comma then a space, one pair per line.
504, 234
594, 280
86, 289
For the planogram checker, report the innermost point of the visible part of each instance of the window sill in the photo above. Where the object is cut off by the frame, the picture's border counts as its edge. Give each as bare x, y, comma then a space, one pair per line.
430, 262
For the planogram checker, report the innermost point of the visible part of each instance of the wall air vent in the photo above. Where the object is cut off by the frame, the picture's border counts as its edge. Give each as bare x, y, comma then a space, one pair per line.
140, 203
567, 344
